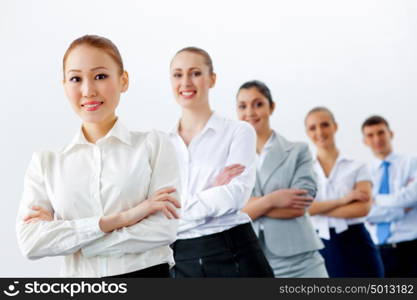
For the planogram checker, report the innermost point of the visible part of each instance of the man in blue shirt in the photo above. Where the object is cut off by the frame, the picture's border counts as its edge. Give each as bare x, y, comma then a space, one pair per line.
392, 220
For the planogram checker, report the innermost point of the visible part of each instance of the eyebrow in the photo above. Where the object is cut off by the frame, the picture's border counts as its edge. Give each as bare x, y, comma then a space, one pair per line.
192, 68
250, 101
93, 69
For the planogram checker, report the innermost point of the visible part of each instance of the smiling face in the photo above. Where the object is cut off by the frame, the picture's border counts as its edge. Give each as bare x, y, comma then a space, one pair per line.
254, 108
191, 79
93, 84
321, 129
378, 137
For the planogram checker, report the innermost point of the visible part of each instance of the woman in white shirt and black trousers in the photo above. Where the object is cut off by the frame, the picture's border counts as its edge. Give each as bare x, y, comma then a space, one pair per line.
217, 166
107, 201
342, 202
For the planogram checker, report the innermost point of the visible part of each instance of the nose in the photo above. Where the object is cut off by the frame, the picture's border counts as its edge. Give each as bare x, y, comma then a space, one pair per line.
250, 111
186, 81
88, 89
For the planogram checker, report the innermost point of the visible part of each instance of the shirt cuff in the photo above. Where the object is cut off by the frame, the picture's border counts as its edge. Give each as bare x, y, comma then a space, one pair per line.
89, 228
384, 200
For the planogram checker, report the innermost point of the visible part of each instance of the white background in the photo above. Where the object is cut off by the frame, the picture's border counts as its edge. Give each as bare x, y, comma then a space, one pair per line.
356, 57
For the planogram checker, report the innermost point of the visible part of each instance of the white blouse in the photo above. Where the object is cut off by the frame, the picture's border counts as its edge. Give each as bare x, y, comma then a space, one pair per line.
85, 181
342, 179
207, 209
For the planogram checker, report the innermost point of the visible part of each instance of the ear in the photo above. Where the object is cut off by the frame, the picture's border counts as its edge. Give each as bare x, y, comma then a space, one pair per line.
392, 134
124, 81
213, 77
272, 107
336, 126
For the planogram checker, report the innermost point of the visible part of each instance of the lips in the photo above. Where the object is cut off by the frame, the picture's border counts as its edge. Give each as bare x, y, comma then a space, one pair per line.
92, 105
188, 94
253, 121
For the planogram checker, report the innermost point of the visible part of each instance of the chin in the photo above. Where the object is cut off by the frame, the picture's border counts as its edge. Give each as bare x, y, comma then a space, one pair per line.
187, 103
93, 119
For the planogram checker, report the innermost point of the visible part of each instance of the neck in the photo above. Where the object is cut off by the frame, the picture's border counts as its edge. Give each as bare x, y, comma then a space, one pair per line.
262, 137
329, 154
194, 120
95, 131
382, 156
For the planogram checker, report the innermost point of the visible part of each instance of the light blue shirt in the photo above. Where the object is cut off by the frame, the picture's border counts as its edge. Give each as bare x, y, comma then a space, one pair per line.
403, 194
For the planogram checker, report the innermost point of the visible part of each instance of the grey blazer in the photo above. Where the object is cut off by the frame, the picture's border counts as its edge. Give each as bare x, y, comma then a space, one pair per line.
287, 165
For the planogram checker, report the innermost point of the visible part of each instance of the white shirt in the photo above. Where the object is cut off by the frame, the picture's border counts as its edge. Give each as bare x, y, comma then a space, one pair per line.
265, 150
207, 209
341, 181
85, 181
403, 194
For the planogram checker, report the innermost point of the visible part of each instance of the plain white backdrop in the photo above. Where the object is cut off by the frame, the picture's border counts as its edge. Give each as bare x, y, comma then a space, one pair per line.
357, 57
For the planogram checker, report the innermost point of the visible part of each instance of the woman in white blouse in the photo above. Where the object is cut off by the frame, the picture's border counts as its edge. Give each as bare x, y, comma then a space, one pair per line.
217, 166
107, 201
343, 200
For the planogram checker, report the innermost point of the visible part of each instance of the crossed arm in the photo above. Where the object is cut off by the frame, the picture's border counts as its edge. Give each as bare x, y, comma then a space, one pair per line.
150, 224
292, 202
355, 204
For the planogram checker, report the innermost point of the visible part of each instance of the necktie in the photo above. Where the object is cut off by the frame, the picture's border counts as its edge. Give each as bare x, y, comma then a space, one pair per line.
383, 228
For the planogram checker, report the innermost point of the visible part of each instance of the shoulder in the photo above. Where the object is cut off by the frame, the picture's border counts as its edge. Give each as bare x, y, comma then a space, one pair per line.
350, 162
155, 139
347, 165
235, 127
356, 168
410, 160
43, 159
299, 148
243, 128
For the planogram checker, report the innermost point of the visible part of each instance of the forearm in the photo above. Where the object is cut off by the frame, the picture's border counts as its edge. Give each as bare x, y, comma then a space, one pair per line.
352, 210
285, 213
379, 214
218, 201
59, 237
259, 206
256, 207
124, 219
150, 233
323, 207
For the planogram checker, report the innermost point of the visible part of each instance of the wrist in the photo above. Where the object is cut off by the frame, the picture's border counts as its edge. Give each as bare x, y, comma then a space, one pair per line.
344, 200
267, 202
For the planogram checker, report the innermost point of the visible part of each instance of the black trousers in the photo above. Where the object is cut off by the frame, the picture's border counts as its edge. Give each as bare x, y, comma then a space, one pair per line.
400, 259
232, 253
158, 271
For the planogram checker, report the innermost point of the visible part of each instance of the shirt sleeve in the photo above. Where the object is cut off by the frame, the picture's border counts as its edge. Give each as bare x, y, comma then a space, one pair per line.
304, 177
380, 214
49, 238
156, 230
363, 173
406, 196
232, 197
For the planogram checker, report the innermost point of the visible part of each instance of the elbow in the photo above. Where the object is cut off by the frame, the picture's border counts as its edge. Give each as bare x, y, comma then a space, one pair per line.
27, 245
28, 251
30, 254
172, 231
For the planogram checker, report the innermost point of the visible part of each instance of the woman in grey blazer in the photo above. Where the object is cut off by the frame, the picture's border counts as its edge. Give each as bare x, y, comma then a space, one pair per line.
285, 187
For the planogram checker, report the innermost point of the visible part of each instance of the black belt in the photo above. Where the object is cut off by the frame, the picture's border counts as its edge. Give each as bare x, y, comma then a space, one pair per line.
412, 243
231, 239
